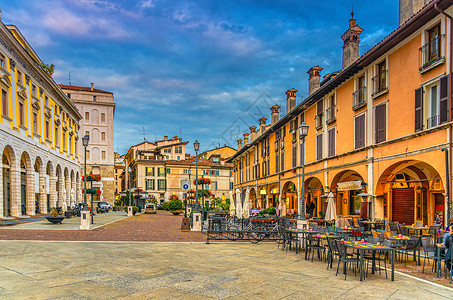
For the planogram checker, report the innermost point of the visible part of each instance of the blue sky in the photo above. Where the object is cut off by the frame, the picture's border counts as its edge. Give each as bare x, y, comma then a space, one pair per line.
207, 69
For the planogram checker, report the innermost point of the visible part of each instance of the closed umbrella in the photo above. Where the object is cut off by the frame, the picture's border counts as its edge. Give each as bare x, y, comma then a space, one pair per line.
238, 204
232, 205
246, 208
331, 211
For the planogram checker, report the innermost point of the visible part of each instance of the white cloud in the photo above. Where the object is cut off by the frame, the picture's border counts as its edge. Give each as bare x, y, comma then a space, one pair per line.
148, 4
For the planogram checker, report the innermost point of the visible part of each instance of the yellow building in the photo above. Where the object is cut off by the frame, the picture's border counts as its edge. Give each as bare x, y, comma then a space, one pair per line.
378, 126
224, 152
38, 133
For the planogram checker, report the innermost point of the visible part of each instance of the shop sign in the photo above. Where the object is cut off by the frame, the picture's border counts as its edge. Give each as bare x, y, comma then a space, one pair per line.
274, 191
349, 185
263, 192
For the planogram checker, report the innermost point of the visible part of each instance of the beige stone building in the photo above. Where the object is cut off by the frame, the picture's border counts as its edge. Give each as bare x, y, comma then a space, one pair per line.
119, 169
39, 133
98, 110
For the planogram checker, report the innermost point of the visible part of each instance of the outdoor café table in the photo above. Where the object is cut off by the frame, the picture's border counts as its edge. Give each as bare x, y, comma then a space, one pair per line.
404, 239
439, 247
370, 225
363, 246
303, 233
417, 230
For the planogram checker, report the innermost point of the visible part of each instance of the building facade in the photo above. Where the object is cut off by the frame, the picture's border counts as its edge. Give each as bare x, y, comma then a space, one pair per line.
224, 152
377, 126
98, 110
119, 169
39, 133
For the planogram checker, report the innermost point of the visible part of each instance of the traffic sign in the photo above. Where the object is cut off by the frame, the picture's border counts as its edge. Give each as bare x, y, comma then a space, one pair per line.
185, 185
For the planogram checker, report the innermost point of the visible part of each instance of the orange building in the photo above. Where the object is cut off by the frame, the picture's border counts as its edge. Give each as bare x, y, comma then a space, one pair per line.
377, 126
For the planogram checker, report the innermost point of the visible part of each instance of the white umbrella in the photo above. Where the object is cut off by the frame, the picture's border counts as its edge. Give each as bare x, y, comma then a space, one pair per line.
181, 196
282, 204
166, 196
331, 211
232, 205
238, 204
246, 208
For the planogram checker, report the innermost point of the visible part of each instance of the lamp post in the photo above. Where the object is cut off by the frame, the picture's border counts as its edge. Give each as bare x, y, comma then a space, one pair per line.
196, 147
303, 131
85, 141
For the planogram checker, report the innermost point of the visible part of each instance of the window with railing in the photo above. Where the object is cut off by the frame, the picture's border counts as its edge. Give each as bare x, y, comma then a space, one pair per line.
431, 53
319, 121
331, 114
380, 82
319, 114
433, 121
359, 98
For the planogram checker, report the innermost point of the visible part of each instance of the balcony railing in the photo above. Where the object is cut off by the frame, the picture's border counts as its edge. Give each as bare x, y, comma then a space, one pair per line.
319, 121
359, 98
433, 121
380, 83
331, 114
431, 54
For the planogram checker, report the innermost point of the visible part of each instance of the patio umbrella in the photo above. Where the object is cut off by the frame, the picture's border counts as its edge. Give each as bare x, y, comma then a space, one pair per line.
246, 208
232, 205
167, 196
331, 211
238, 204
282, 204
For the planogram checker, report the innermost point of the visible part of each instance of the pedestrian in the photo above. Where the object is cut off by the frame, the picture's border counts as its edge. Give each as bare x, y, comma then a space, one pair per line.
448, 229
449, 245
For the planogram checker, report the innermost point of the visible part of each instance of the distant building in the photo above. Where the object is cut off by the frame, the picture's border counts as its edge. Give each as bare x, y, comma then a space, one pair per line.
225, 152
119, 169
98, 110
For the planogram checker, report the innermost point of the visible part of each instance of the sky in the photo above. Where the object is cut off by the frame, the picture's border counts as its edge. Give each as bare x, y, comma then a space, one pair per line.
204, 70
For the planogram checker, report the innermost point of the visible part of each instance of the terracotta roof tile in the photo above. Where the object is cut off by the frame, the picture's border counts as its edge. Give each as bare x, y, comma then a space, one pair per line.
82, 88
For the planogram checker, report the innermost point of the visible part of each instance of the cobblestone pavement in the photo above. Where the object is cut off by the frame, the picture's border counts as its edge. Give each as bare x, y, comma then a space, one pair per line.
160, 227
127, 270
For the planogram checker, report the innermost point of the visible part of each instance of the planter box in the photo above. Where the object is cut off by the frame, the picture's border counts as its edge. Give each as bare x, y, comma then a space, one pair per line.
55, 220
177, 212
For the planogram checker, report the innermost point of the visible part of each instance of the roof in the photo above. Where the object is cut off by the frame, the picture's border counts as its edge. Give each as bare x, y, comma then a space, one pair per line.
82, 88
402, 32
171, 145
201, 162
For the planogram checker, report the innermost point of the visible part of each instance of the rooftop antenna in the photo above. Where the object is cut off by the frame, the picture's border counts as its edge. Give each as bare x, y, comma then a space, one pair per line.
69, 78
352, 10
144, 134
180, 131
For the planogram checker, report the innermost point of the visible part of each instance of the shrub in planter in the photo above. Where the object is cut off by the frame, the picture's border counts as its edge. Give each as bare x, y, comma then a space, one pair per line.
165, 205
134, 209
175, 205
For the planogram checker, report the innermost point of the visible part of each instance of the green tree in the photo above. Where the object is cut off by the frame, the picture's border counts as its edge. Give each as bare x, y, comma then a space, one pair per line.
175, 205
225, 205
49, 69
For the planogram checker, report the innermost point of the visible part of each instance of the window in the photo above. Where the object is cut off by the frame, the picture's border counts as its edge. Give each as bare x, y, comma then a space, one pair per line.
46, 101
35, 123
103, 136
88, 154
231, 185
359, 131
33, 90
161, 184
214, 185
64, 141
331, 141
21, 114
4, 103
47, 130
70, 145
102, 117
434, 43
178, 149
161, 172
69, 96
2, 61
57, 142
168, 170
103, 154
149, 184
319, 146
167, 150
434, 100
319, 112
185, 171
149, 171
380, 123
19, 77
380, 80
360, 94
277, 160
94, 98
331, 110
87, 116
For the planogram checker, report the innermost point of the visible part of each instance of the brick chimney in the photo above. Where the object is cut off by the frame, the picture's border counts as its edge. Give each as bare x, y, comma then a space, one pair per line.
351, 42
165, 137
262, 125
314, 79
290, 99
274, 115
92, 86
239, 144
408, 8
252, 133
246, 138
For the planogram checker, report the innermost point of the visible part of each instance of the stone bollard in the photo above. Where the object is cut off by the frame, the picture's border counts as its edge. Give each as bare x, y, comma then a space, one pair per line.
196, 224
129, 211
85, 219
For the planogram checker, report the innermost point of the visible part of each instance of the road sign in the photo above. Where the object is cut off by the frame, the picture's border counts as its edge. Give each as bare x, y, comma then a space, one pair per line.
185, 185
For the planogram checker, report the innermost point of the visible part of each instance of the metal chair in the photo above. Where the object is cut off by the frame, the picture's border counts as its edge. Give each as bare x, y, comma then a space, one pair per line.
332, 251
313, 244
345, 258
429, 247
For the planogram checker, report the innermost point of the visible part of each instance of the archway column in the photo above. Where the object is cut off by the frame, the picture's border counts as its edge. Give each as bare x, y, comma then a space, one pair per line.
1, 190
16, 210
53, 191
59, 200
42, 194
30, 205
74, 189
67, 195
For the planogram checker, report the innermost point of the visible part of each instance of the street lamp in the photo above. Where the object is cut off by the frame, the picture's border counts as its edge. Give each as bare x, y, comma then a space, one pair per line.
196, 147
85, 141
303, 131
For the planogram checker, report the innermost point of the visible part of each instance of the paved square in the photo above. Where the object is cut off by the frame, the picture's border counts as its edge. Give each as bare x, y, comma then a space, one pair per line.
143, 270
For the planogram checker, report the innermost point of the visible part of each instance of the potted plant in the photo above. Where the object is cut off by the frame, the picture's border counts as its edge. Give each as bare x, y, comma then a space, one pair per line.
55, 217
175, 207
134, 209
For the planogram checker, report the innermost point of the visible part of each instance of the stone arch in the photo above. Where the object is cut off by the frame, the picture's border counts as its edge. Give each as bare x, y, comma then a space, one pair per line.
252, 197
66, 188
27, 185
9, 205
313, 191
50, 187
348, 203
40, 186
95, 116
72, 191
415, 185
289, 198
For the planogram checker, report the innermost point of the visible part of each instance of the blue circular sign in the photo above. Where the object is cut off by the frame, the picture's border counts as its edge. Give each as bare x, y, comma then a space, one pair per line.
185, 186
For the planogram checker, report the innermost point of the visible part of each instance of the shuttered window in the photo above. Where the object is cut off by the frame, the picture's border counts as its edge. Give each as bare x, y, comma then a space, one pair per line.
302, 118
443, 99
282, 161
419, 109
319, 146
380, 123
277, 159
302, 160
294, 156
331, 136
359, 129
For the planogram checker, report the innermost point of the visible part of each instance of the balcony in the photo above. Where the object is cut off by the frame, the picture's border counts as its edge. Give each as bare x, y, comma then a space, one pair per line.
433, 121
431, 54
359, 98
331, 114
318, 119
380, 84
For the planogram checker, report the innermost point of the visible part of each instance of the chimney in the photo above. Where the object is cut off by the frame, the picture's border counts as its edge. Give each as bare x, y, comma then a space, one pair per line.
175, 137
290, 99
239, 144
165, 137
351, 42
274, 114
246, 139
314, 79
252, 133
92, 86
262, 125
408, 8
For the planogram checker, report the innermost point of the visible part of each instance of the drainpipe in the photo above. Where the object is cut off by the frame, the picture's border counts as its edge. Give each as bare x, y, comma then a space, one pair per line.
448, 154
